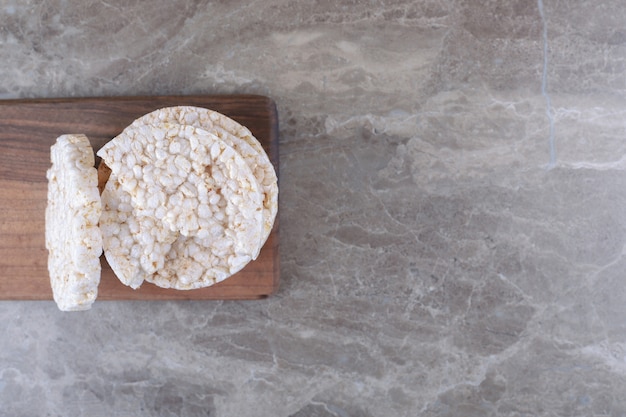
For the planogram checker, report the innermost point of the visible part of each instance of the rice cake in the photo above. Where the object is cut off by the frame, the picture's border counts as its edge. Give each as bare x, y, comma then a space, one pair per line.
73, 240
198, 186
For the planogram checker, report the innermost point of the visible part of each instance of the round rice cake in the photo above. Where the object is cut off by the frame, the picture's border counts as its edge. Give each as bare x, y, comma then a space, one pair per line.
235, 135
73, 240
191, 181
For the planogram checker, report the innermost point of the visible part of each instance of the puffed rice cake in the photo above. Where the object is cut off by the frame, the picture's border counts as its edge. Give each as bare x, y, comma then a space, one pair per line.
200, 188
73, 240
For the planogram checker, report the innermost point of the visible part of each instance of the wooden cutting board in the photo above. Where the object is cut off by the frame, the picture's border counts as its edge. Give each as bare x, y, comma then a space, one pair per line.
27, 130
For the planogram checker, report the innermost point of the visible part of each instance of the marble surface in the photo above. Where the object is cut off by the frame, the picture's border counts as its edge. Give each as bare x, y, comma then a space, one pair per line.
453, 223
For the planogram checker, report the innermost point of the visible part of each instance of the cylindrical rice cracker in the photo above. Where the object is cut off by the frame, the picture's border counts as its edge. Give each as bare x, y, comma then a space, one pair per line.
73, 240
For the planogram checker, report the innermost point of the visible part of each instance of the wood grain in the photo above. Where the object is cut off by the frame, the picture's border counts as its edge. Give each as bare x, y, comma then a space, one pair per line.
27, 130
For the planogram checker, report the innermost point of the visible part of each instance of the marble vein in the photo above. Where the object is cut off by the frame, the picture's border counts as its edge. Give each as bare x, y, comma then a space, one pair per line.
544, 86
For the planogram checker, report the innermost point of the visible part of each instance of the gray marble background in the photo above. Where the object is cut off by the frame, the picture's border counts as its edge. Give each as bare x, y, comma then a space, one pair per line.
453, 221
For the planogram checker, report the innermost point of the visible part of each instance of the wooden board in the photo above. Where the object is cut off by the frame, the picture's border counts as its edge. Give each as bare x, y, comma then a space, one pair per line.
27, 130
